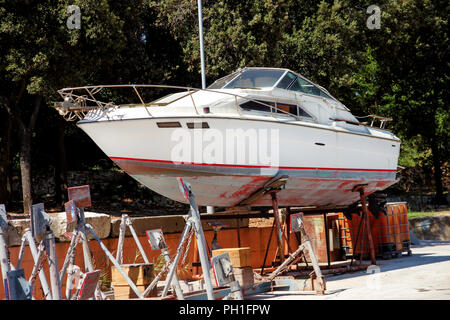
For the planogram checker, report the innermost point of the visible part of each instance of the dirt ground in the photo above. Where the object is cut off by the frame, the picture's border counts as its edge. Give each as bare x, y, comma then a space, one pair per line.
424, 275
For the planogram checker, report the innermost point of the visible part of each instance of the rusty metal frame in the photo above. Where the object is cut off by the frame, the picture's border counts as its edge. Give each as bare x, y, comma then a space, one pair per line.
365, 216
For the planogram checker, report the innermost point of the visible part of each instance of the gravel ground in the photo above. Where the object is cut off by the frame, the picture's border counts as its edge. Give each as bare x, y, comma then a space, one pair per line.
424, 275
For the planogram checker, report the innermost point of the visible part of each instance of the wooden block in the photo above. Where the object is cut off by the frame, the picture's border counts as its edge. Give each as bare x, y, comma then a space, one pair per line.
244, 276
140, 274
124, 292
239, 257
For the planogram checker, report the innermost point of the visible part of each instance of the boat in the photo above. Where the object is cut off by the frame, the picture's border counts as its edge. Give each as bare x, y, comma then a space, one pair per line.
243, 131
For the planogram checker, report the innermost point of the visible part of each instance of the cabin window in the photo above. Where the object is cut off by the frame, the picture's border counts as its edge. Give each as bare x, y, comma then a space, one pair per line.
303, 113
218, 84
301, 85
253, 105
197, 125
286, 81
256, 78
289, 108
168, 124
295, 110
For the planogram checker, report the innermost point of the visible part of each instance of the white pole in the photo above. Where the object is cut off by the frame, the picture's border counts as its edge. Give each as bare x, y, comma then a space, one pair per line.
123, 227
53, 264
209, 209
34, 253
202, 55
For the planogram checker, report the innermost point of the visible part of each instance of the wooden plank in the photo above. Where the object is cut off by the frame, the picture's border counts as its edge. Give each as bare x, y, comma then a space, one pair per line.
239, 257
140, 274
124, 292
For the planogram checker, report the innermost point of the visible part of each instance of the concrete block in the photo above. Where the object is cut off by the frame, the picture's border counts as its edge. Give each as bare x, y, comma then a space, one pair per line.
16, 229
101, 224
168, 224
244, 276
231, 223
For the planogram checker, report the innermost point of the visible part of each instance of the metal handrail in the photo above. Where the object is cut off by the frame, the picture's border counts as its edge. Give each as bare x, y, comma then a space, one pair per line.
383, 120
77, 103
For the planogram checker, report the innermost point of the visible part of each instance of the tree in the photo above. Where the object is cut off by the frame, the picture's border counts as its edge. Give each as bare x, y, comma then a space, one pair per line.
412, 49
40, 54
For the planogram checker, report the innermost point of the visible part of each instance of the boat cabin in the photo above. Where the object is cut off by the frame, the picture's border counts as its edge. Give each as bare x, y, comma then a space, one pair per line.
283, 93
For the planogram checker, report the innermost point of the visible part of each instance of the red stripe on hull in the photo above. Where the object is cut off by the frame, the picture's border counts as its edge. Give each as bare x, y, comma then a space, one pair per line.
249, 166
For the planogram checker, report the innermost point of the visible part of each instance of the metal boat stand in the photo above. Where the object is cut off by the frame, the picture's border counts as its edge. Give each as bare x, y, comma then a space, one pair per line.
40, 230
366, 226
222, 266
304, 248
86, 284
272, 187
193, 221
38, 253
156, 239
79, 198
126, 222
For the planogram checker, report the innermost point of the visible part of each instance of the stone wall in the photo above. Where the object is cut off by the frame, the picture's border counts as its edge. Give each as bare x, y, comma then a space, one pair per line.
431, 228
112, 191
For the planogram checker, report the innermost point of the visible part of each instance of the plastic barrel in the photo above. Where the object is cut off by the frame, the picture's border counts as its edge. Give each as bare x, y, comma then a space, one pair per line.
345, 233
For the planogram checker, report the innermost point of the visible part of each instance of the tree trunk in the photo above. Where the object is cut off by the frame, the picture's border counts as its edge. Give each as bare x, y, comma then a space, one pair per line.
25, 134
25, 154
25, 169
61, 166
5, 147
440, 199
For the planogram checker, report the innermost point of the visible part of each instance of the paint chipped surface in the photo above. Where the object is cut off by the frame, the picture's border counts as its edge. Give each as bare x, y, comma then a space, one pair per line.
227, 186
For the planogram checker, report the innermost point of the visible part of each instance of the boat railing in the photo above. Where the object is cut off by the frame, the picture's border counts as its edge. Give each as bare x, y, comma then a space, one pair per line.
383, 121
77, 101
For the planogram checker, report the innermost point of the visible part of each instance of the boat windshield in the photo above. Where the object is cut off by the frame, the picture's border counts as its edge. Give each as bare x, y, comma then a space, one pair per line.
250, 78
220, 83
294, 83
256, 78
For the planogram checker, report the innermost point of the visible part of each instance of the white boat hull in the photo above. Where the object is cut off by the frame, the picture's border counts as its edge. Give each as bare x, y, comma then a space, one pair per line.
323, 163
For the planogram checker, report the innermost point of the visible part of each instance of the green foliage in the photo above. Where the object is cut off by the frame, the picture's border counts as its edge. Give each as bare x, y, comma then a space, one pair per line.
410, 154
420, 214
137, 256
105, 277
400, 70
